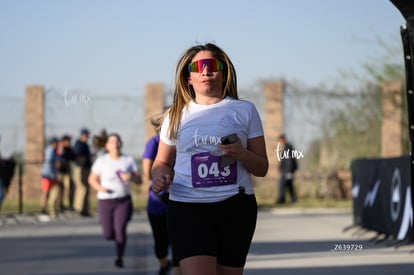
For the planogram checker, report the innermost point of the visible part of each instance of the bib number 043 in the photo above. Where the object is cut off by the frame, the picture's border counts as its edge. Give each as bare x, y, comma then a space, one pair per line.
206, 171
214, 170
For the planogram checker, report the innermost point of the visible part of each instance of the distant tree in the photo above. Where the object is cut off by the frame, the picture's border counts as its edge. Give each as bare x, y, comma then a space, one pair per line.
352, 129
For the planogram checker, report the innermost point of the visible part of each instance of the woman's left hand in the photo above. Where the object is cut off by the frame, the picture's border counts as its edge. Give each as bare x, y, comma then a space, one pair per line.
234, 151
131, 176
126, 176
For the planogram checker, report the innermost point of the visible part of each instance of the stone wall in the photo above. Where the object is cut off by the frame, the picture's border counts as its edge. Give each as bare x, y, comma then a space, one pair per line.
154, 105
35, 141
273, 123
391, 128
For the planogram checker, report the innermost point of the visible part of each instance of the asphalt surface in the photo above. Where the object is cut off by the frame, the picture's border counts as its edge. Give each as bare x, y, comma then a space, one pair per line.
286, 242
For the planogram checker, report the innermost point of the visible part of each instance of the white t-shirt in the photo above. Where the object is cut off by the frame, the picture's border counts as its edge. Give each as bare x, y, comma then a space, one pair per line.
108, 170
198, 176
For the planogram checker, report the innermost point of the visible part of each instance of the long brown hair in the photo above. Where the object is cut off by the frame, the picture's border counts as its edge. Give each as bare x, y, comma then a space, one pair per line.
184, 92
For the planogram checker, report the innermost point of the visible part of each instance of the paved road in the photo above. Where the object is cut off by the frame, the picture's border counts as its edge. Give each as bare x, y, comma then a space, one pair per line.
286, 242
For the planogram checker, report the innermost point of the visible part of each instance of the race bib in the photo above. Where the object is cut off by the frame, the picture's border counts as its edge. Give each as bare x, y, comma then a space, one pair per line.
206, 171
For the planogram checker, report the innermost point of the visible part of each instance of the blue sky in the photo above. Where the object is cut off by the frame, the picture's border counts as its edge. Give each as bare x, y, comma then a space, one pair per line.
108, 47
118, 46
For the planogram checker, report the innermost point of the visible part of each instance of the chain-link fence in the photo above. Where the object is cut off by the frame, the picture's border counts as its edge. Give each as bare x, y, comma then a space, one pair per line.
306, 111
69, 110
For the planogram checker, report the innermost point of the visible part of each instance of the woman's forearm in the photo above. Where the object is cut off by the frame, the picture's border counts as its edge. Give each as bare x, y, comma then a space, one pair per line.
159, 169
255, 164
93, 181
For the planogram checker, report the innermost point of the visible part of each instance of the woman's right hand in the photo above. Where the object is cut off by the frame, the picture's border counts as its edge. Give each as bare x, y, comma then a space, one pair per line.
161, 171
161, 182
105, 190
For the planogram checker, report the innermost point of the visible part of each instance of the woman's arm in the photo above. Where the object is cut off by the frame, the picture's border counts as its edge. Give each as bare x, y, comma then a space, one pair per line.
94, 182
162, 168
146, 167
133, 176
136, 177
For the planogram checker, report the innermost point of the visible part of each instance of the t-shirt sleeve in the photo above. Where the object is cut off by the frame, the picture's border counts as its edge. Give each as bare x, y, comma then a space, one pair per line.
97, 166
255, 125
49, 155
164, 132
134, 165
151, 149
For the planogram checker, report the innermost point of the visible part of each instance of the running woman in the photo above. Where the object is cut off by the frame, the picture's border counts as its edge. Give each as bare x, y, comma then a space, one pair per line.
215, 142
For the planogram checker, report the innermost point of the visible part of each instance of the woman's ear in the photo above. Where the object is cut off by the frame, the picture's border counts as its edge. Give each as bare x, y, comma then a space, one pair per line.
189, 81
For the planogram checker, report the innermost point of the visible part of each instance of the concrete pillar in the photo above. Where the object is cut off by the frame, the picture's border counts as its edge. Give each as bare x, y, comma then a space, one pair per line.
273, 124
35, 141
391, 128
154, 105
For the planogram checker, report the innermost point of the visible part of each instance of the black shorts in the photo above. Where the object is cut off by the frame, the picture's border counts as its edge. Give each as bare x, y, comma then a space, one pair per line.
223, 229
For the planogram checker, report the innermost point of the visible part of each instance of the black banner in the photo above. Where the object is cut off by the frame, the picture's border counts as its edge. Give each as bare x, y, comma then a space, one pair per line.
381, 192
406, 8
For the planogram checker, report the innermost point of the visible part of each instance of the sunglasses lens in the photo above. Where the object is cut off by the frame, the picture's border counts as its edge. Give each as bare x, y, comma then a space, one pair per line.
213, 65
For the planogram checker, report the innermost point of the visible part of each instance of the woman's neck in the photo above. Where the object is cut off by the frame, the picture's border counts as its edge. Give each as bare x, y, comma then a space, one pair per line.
114, 155
207, 100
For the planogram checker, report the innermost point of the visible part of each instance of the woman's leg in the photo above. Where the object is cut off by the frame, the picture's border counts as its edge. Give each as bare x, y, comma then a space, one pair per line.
236, 233
160, 233
122, 214
105, 211
198, 265
226, 270
192, 234
213, 238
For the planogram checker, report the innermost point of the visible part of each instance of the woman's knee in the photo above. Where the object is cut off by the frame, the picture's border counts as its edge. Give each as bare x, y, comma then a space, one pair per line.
110, 236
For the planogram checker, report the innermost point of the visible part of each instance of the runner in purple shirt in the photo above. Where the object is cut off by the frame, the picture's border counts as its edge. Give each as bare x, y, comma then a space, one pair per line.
157, 208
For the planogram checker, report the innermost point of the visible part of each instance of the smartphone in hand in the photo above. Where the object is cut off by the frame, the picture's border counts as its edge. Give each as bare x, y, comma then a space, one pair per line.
229, 139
